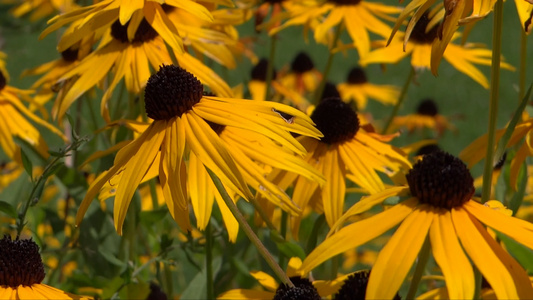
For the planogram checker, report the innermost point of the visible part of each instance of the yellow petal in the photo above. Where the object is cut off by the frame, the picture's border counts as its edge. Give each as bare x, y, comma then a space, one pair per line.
265, 280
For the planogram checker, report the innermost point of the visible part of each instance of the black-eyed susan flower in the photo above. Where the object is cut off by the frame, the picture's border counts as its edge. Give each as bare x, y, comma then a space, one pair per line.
302, 77
38, 9
450, 15
303, 288
461, 57
357, 88
426, 116
180, 133
347, 150
354, 286
360, 18
525, 14
15, 120
438, 203
475, 152
128, 51
22, 272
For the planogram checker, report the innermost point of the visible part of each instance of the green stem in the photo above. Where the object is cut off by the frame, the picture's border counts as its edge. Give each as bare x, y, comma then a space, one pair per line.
270, 67
313, 237
401, 99
329, 62
477, 281
209, 261
248, 231
419, 270
523, 66
263, 214
334, 267
153, 194
284, 220
494, 97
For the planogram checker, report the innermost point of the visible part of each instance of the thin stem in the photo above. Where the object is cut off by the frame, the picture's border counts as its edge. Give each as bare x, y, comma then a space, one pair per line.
523, 66
477, 281
329, 62
494, 97
401, 99
249, 232
270, 66
334, 267
153, 193
209, 261
313, 237
284, 219
419, 270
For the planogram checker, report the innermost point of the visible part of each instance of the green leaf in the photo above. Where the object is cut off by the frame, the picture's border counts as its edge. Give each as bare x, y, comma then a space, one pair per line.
240, 266
8, 209
521, 253
111, 258
197, 287
291, 249
150, 217
517, 198
135, 290
26, 162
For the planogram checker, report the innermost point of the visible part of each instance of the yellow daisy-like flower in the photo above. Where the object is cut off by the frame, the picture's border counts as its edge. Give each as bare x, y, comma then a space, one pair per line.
129, 58
304, 289
8, 173
461, 57
347, 150
453, 14
525, 13
23, 272
302, 77
426, 116
439, 205
13, 121
357, 88
359, 16
477, 149
180, 133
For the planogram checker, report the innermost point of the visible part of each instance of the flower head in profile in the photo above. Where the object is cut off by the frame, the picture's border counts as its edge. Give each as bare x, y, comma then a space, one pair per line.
464, 58
16, 118
357, 88
426, 116
438, 203
347, 150
23, 271
181, 133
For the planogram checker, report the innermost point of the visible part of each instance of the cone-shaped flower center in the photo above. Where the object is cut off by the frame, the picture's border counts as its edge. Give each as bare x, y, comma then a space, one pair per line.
303, 290
3, 81
345, 2
427, 149
357, 76
330, 91
70, 54
427, 107
302, 63
419, 34
259, 72
20, 263
336, 120
441, 180
171, 92
144, 33
354, 286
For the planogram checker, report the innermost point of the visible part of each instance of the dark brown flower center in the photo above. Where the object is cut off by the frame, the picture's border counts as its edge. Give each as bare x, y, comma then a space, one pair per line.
441, 180
155, 292
259, 71
427, 149
144, 33
3, 81
171, 92
427, 107
70, 55
345, 2
337, 121
357, 76
354, 287
20, 263
330, 91
302, 63
303, 290
419, 34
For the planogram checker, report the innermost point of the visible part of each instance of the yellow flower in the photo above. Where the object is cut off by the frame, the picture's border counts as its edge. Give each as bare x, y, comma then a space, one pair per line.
14, 123
461, 57
347, 150
359, 16
23, 272
525, 14
303, 77
426, 116
439, 204
357, 88
8, 173
39, 9
180, 133
129, 51
304, 288
453, 14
